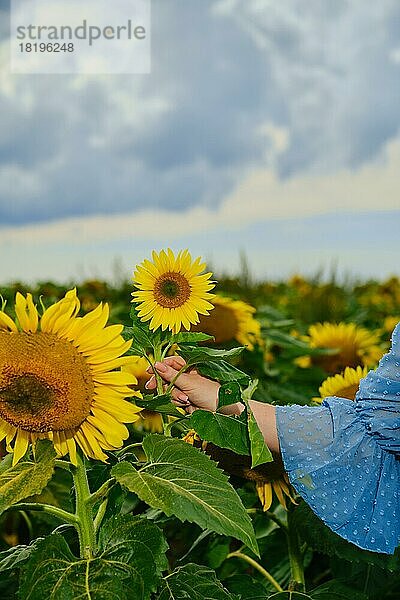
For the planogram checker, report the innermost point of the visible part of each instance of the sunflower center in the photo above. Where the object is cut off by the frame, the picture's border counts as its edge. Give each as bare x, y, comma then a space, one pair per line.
348, 392
45, 383
171, 290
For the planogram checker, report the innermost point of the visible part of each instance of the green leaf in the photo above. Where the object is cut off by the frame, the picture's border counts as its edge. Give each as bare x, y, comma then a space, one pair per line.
189, 337
246, 587
194, 355
222, 430
223, 372
14, 557
129, 564
28, 477
182, 481
229, 393
372, 581
335, 590
296, 346
217, 550
289, 596
161, 404
141, 340
195, 582
260, 453
10, 562
6, 463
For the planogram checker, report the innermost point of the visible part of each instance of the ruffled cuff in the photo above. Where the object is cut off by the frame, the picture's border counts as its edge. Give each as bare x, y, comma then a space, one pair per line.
340, 470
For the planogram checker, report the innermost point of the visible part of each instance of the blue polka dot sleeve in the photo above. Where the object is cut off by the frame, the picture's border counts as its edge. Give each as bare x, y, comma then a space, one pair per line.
343, 457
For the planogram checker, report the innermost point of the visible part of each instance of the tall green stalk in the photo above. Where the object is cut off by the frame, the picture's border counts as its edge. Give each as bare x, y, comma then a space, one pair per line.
83, 510
297, 581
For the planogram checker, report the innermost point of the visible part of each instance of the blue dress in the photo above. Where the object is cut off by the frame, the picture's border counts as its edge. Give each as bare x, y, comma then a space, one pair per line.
343, 457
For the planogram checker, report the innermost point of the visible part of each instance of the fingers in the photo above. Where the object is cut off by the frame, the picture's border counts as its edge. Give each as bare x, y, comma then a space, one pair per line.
151, 384
180, 398
169, 374
176, 362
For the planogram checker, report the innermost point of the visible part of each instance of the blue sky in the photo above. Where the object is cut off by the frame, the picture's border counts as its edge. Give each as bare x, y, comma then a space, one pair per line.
271, 128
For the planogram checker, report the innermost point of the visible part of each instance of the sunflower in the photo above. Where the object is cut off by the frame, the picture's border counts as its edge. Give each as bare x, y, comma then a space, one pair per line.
60, 379
390, 323
231, 320
191, 437
354, 346
281, 487
344, 385
138, 367
172, 290
150, 420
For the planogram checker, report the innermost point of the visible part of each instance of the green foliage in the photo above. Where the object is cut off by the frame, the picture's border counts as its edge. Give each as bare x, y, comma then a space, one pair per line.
223, 372
194, 582
246, 587
229, 393
190, 337
335, 590
222, 430
181, 490
211, 363
128, 565
28, 477
180, 480
10, 562
259, 451
161, 404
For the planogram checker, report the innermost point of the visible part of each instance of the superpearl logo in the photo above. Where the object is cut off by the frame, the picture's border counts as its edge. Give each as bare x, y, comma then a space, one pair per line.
70, 36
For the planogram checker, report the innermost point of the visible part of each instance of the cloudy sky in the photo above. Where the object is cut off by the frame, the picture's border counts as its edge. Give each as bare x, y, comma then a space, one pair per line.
264, 127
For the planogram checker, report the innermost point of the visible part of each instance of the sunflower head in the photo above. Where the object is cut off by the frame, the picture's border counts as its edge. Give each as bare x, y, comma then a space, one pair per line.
61, 379
354, 346
282, 489
231, 320
344, 385
172, 290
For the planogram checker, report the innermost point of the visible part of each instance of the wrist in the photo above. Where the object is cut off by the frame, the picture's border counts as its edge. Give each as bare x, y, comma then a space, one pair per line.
232, 409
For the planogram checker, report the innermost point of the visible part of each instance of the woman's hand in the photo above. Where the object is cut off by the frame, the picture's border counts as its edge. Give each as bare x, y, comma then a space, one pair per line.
191, 390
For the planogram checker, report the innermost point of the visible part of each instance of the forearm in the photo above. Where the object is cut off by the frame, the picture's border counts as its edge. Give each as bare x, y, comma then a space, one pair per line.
265, 415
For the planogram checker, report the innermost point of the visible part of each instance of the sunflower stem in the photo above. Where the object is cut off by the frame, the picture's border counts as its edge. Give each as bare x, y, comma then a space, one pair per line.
179, 373
102, 492
258, 568
276, 519
297, 582
100, 514
157, 358
83, 510
63, 464
164, 352
49, 509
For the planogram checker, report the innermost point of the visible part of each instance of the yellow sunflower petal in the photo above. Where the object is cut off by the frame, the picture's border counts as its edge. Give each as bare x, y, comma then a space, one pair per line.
278, 491
21, 445
6, 323
26, 312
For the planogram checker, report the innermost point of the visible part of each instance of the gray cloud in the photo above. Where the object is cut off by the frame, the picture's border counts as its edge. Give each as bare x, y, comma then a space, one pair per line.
331, 62
189, 132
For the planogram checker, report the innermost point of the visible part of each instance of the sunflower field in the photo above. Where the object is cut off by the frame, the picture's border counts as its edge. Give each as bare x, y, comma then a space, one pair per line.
112, 488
